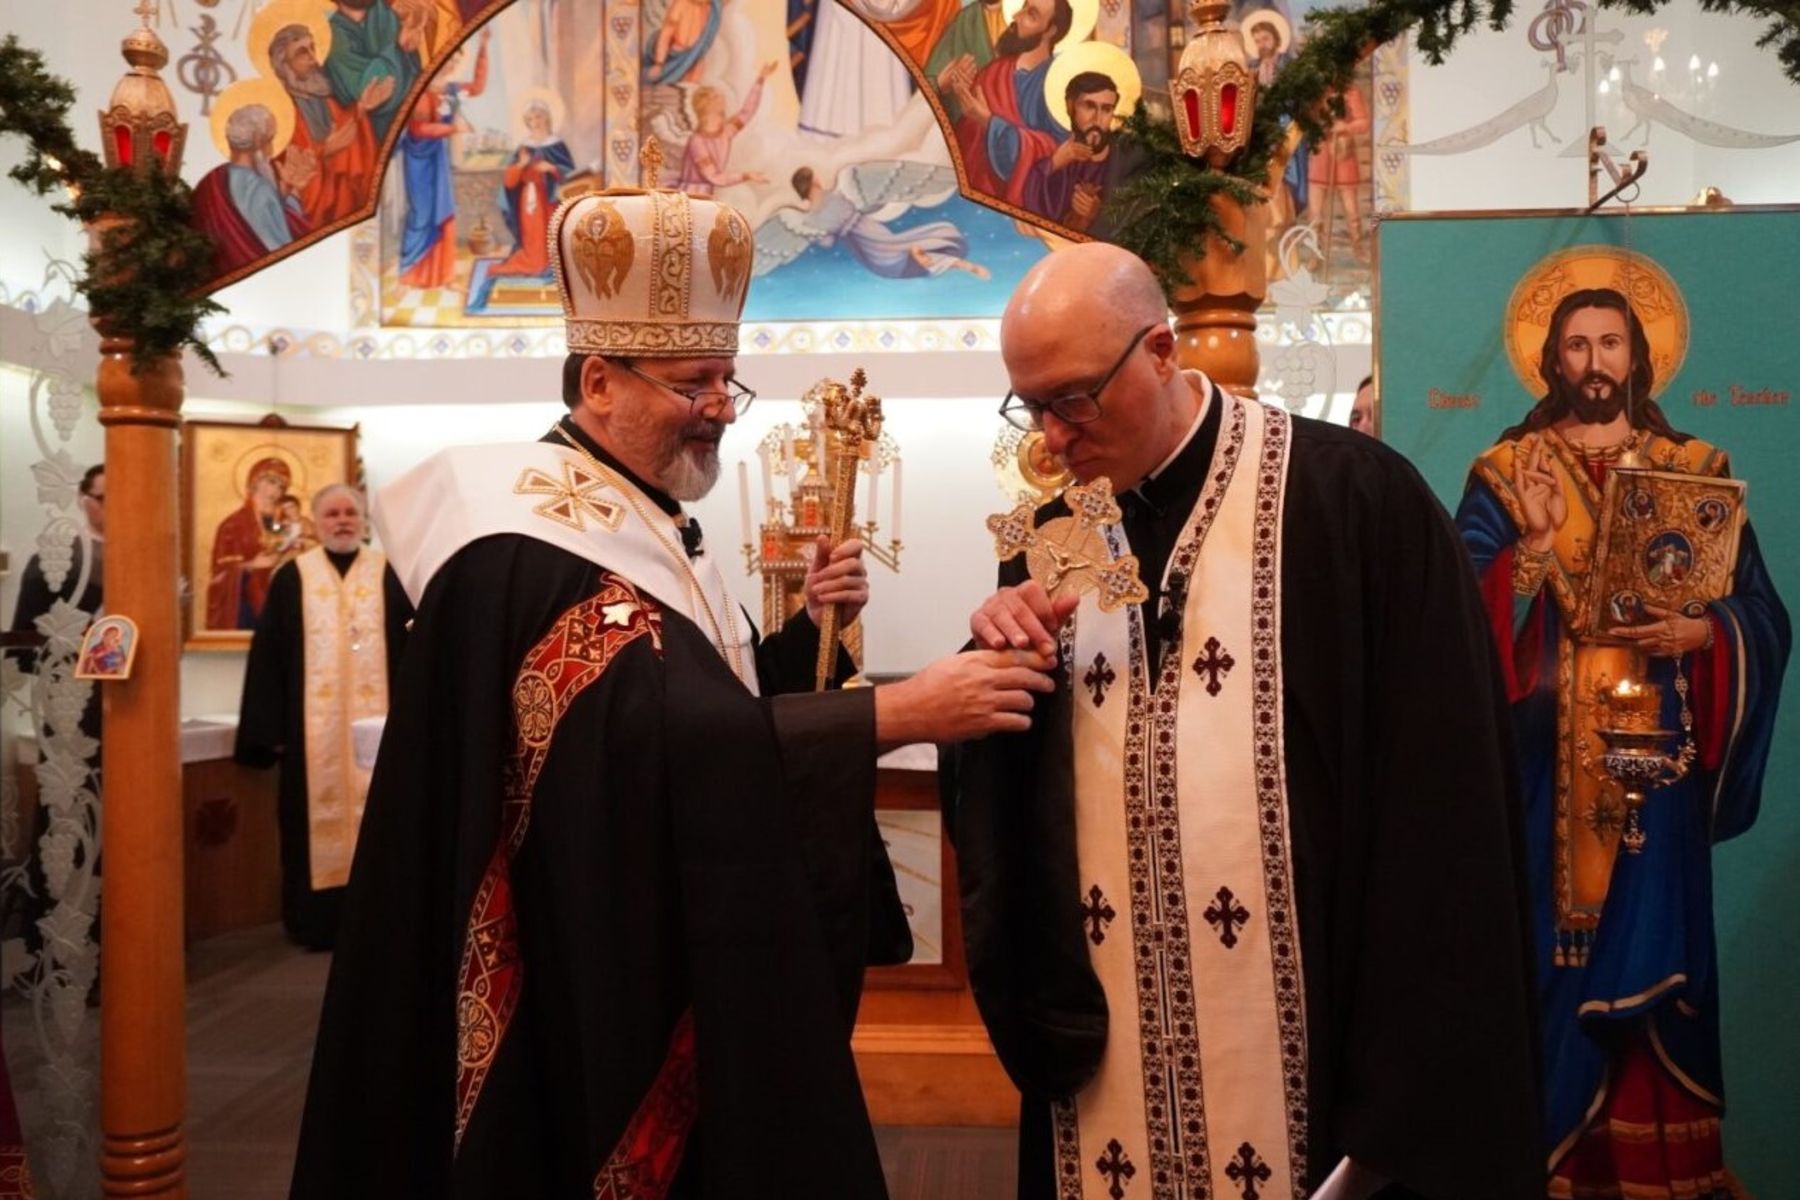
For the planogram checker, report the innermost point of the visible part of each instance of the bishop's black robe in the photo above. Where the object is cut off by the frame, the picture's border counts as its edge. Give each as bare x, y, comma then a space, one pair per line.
1406, 839
272, 732
692, 851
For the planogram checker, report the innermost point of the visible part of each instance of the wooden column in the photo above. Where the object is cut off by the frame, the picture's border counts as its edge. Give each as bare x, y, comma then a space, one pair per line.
143, 1040
1215, 314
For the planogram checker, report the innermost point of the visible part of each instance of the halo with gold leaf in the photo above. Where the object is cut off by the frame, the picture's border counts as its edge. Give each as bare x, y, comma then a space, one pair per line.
315, 15
1087, 15
297, 482
1104, 58
1284, 31
1646, 286
264, 91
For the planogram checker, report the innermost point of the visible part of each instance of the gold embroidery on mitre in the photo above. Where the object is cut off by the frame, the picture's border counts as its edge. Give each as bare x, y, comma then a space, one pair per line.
672, 286
604, 249
650, 339
571, 499
728, 252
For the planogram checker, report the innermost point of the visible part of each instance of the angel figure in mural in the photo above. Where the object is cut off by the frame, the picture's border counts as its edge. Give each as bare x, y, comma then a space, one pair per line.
855, 82
858, 207
532, 185
250, 204
365, 47
706, 162
339, 136
686, 33
428, 242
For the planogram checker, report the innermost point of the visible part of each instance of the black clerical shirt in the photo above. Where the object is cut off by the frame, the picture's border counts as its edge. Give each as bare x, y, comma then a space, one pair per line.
1156, 511
689, 527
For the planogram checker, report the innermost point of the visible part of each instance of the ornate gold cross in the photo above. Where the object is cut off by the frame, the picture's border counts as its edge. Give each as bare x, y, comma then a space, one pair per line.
650, 158
1070, 555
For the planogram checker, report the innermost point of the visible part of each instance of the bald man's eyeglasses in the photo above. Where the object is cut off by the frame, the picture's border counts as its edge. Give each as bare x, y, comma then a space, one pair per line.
1075, 408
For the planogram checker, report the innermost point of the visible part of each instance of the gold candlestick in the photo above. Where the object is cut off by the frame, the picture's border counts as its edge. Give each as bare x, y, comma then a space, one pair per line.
849, 424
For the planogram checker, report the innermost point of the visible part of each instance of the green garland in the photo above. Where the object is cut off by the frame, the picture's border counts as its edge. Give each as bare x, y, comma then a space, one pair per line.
1164, 212
140, 281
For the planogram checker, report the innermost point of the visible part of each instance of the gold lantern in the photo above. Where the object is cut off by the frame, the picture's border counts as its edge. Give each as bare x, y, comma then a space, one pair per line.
140, 129
1214, 92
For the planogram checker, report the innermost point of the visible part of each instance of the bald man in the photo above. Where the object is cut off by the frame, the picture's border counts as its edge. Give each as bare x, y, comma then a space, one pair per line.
1245, 909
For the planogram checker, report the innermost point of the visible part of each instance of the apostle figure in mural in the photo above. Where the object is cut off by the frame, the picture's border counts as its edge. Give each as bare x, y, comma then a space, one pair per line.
970, 35
339, 137
1627, 977
428, 244
244, 549
1246, 907
619, 875
365, 47
1070, 186
250, 205
532, 184
1269, 44
328, 642
1005, 127
853, 207
706, 160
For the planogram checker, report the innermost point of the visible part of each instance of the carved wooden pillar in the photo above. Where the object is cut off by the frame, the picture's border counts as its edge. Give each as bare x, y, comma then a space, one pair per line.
1215, 313
143, 1043
143, 1030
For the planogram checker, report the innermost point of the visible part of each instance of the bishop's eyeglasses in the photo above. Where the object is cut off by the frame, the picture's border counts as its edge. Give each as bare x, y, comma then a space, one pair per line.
708, 403
1074, 408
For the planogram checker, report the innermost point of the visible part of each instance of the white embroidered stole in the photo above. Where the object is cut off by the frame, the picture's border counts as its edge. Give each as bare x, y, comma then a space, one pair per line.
551, 493
345, 623
1186, 869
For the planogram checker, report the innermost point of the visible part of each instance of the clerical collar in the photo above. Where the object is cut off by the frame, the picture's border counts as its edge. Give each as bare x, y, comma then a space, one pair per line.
657, 496
1188, 460
687, 526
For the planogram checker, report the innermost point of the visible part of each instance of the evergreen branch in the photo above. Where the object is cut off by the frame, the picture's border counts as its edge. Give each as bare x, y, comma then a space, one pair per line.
139, 281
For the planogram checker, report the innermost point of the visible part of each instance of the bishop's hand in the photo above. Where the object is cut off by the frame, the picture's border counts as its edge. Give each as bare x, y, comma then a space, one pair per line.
1670, 635
1022, 618
961, 697
837, 577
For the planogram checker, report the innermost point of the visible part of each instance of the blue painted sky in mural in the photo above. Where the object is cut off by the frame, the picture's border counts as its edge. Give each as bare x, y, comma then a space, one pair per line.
829, 284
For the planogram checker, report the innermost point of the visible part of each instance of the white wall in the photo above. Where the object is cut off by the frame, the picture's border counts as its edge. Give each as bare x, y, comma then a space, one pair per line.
1490, 72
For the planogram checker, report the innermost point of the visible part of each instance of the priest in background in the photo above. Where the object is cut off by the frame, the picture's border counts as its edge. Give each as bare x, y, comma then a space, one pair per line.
1246, 908
619, 876
327, 643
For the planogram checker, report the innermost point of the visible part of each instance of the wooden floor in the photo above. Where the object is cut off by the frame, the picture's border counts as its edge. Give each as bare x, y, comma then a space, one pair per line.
253, 1003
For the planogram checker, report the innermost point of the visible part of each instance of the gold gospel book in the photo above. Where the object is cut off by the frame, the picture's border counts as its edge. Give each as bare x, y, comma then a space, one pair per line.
1665, 539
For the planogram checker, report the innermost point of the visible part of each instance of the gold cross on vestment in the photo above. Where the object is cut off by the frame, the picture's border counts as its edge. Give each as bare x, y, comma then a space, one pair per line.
571, 499
1070, 555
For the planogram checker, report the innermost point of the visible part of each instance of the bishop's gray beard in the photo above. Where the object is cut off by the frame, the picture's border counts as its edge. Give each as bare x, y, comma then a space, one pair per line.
688, 474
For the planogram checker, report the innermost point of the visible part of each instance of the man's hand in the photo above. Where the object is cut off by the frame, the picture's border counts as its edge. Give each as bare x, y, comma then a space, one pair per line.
1540, 496
1069, 153
1022, 618
339, 139
961, 697
378, 93
957, 74
296, 169
1084, 205
837, 577
1669, 636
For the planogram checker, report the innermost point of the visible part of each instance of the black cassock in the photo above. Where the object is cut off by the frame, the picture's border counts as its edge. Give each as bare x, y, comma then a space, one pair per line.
1406, 838
691, 848
272, 732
